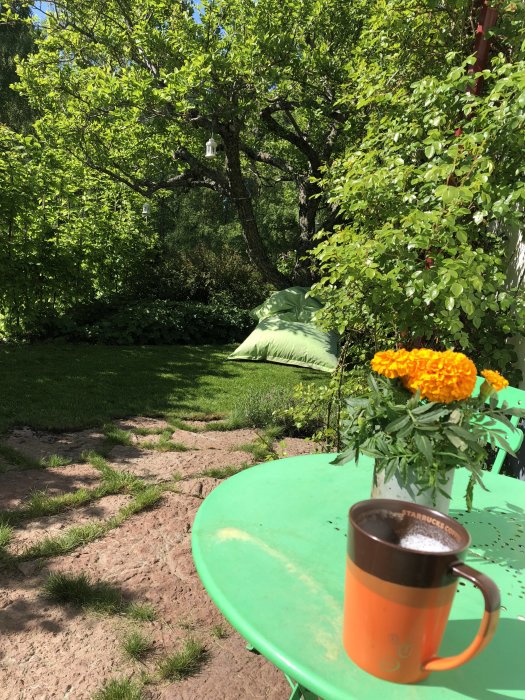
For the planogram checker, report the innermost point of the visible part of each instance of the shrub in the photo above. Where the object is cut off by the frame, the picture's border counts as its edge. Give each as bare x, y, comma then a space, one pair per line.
158, 322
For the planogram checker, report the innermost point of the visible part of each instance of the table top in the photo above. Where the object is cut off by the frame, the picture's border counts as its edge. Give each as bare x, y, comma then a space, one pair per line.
269, 545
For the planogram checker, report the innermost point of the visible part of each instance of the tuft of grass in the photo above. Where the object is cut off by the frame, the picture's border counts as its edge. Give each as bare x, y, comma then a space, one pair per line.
185, 662
141, 612
71, 539
114, 479
81, 592
98, 596
6, 533
17, 459
40, 504
262, 449
119, 689
164, 444
225, 472
116, 435
219, 631
136, 645
148, 431
55, 461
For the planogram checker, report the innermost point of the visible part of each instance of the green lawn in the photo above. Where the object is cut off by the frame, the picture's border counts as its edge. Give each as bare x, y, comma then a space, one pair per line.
70, 387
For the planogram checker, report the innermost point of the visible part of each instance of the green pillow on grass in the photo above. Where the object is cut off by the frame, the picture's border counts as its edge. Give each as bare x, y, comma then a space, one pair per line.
290, 343
290, 304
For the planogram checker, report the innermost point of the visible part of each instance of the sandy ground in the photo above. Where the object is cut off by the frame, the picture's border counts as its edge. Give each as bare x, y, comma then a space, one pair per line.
50, 651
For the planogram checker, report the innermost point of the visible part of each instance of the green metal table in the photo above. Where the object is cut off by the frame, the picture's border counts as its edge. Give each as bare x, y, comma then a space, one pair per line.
269, 545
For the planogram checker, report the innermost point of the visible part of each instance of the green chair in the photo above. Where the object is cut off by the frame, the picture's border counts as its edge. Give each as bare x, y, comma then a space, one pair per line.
515, 398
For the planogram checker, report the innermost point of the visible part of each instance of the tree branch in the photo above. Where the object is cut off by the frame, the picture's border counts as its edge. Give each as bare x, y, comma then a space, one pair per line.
267, 159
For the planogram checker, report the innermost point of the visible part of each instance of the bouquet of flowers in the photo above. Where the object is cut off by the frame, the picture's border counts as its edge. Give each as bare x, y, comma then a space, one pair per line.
420, 419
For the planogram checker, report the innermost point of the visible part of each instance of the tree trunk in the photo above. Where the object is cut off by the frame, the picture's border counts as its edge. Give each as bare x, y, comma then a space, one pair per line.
308, 207
243, 204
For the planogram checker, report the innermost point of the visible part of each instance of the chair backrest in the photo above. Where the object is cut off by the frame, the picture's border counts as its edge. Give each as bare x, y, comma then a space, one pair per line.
516, 399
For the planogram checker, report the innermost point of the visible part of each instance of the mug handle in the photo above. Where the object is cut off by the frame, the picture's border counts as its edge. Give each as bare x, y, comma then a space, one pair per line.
488, 623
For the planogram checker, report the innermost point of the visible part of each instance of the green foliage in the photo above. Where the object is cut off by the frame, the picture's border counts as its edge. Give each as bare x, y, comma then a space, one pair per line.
318, 410
161, 322
408, 436
261, 408
16, 39
62, 245
185, 662
137, 96
429, 193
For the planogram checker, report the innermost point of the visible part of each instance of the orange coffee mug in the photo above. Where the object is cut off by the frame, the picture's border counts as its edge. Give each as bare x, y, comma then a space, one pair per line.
403, 564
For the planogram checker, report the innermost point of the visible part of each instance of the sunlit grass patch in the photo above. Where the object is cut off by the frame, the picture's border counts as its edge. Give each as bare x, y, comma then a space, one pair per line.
141, 612
185, 662
225, 472
164, 443
136, 645
119, 689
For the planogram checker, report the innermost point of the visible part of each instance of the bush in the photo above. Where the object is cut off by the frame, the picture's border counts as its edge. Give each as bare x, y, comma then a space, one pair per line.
317, 411
156, 322
263, 408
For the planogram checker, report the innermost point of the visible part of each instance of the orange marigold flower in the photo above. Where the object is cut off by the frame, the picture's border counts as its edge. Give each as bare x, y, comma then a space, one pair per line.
495, 379
392, 363
382, 363
443, 377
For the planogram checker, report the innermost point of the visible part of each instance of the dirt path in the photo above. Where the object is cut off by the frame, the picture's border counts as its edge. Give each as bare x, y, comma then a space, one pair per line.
50, 651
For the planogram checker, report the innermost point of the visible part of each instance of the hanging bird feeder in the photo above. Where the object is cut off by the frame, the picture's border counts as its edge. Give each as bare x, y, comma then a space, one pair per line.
146, 209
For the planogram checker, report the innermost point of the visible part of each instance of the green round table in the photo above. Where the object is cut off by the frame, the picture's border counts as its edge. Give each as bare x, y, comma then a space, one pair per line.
269, 545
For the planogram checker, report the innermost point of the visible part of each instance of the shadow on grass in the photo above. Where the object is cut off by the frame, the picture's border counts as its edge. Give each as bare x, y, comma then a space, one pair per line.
67, 387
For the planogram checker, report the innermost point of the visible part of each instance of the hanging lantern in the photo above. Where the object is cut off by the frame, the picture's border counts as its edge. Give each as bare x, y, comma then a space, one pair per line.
146, 209
211, 148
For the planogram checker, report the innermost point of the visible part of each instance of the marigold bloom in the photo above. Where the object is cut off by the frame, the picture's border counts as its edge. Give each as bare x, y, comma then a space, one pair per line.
495, 379
445, 377
384, 363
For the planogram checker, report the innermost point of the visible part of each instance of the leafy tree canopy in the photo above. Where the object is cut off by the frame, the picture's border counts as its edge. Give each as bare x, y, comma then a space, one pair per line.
134, 90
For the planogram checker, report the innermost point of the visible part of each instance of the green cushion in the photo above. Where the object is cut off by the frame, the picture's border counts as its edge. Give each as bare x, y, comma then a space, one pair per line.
289, 304
290, 343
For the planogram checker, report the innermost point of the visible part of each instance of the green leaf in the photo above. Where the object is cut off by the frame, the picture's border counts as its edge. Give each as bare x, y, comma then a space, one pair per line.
397, 424
424, 445
456, 441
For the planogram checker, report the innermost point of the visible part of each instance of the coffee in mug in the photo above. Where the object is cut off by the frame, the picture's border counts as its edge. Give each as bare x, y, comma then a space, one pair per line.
403, 565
